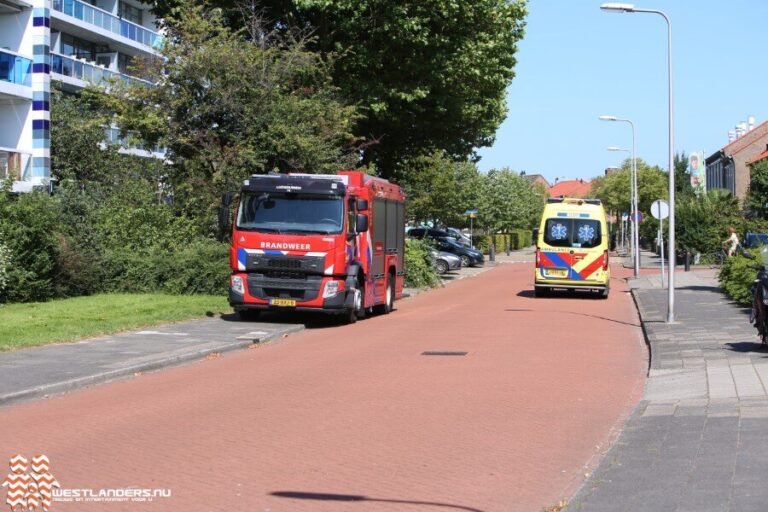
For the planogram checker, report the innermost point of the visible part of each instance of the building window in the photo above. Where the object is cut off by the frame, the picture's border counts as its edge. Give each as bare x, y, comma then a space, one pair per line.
123, 63
72, 46
130, 13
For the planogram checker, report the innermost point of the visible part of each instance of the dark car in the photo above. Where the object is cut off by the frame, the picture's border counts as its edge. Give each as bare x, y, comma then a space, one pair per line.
754, 240
421, 233
469, 257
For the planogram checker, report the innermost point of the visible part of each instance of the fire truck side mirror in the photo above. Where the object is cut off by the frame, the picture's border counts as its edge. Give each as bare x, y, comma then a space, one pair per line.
362, 205
224, 218
226, 199
361, 223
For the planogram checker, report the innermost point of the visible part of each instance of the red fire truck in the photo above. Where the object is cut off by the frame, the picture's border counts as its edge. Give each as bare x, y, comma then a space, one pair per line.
310, 242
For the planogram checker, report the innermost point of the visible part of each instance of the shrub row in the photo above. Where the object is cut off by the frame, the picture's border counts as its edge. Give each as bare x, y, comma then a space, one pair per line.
736, 276
515, 239
419, 269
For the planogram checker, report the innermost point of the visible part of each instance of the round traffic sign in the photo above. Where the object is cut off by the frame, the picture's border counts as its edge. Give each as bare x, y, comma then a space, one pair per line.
637, 217
660, 209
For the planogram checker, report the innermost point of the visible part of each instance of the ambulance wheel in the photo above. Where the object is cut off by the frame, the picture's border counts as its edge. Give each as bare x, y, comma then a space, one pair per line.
249, 315
540, 291
604, 293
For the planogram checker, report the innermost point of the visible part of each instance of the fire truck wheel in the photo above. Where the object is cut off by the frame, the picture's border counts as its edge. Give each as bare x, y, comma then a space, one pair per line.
352, 314
389, 302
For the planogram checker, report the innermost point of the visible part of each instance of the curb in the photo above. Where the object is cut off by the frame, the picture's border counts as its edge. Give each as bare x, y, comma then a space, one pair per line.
161, 362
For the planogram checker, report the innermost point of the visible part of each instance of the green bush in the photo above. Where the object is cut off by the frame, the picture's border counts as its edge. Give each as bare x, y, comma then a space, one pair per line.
28, 227
735, 277
419, 271
482, 242
200, 268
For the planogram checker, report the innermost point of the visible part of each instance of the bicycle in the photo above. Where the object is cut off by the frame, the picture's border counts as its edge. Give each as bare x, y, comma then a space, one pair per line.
759, 291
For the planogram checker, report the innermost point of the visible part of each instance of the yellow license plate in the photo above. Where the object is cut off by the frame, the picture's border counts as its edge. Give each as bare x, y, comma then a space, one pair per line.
282, 302
556, 272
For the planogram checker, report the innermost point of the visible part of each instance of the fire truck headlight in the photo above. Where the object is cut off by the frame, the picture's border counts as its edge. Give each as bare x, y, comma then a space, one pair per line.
237, 285
332, 288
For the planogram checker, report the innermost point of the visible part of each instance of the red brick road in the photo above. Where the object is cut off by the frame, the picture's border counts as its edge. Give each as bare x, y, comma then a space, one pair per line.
355, 419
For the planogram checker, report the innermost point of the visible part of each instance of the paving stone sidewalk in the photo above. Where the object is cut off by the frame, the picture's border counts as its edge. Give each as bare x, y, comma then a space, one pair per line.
698, 441
41, 371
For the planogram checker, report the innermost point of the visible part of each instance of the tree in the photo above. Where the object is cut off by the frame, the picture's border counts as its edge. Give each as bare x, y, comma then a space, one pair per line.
427, 75
756, 203
508, 201
440, 189
701, 224
227, 106
78, 131
683, 186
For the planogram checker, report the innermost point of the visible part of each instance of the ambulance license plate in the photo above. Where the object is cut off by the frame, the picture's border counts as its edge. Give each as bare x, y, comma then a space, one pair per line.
282, 302
557, 272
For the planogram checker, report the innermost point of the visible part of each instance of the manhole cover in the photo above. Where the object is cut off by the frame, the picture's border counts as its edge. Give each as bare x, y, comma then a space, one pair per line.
443, 353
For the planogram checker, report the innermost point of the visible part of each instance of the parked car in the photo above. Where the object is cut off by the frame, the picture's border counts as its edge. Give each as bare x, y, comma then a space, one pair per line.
754, 239
469, 257
459, 236
421, 233
445, 261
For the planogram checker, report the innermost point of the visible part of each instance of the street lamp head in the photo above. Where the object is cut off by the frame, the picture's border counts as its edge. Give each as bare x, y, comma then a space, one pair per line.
615, 7
608, 118
616, 148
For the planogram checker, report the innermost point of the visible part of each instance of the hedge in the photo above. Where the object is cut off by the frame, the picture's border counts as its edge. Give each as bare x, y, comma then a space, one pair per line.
516, 239
736, 276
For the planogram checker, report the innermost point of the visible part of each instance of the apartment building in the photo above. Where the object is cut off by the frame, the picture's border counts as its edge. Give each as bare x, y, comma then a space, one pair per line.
69, 42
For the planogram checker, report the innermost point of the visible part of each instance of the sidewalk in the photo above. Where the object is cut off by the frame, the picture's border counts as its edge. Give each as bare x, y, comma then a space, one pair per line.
698, 441
42, 371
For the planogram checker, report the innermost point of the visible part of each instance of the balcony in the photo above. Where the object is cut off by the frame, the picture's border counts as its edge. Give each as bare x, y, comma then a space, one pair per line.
15, 69
88, 72
107, 21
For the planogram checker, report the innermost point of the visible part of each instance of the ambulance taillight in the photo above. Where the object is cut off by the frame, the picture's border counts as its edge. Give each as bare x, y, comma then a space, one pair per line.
605, 260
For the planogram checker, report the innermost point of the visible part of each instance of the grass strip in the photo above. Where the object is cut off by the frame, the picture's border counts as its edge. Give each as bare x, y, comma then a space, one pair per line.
62, 320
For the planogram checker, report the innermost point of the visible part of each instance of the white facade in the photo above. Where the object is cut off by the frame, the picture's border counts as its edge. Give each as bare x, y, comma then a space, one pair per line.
72, 42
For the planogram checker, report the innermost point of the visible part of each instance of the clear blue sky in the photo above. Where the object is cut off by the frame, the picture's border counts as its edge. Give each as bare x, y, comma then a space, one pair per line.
577, 62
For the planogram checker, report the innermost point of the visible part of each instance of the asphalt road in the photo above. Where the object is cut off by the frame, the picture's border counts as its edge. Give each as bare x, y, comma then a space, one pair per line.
356, 418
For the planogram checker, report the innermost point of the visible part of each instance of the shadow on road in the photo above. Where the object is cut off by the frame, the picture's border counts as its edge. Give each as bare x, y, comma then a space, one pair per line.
309, 320
564, 294
353, 497
746, 346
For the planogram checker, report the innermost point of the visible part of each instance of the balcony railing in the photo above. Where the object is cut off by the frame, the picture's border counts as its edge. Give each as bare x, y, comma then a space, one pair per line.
107, 21
15, 69
88, 72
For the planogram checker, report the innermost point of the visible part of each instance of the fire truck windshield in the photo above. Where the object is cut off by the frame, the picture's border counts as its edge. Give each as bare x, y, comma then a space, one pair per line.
290, 213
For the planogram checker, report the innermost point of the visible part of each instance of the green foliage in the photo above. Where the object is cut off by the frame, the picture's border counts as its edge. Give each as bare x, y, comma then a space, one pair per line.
228, 105
419, 270
702, 223
28, 226
426, 75
508, 201
5, 263
683, 186
756, 202
440, 189
200, 268
735, 278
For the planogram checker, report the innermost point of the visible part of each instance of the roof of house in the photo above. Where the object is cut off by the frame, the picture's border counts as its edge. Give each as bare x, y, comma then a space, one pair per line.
570, 188
537, 178
759, 157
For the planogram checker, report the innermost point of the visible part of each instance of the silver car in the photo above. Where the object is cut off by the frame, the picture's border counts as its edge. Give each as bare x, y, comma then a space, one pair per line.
445, 261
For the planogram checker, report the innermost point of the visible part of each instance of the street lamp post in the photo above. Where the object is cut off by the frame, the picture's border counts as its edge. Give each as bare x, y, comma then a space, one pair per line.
633, 188
616, 7
631, 203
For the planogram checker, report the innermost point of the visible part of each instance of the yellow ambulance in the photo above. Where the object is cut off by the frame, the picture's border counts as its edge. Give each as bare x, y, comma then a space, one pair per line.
572, 247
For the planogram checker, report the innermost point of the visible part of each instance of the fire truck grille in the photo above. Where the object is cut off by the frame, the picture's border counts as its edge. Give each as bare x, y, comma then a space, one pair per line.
292, 263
